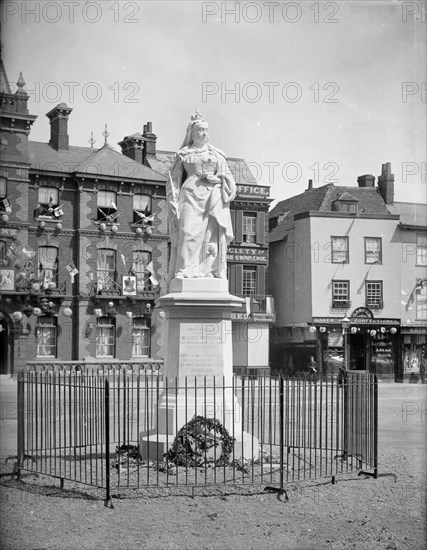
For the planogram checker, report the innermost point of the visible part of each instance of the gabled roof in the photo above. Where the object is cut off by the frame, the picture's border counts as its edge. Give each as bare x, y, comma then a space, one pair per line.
320, 199
346, 197
102, 162
411, 214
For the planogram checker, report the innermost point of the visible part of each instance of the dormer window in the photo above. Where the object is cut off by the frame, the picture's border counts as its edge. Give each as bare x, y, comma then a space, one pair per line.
107, 207
346, 203
48, 203
347, 206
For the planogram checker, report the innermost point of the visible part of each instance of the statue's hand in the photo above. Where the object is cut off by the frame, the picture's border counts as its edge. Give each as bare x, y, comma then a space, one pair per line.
213, 179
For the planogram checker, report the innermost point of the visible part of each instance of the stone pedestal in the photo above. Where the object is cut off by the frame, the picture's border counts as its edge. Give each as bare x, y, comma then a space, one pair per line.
198, 371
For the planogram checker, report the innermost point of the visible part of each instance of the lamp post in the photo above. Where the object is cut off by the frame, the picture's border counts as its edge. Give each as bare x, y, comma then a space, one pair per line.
345, 322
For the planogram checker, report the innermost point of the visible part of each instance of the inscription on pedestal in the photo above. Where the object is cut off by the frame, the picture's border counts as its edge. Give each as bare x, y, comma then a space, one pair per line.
201, 349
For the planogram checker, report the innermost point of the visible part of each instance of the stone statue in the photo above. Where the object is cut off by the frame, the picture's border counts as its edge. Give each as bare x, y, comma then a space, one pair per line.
200, 188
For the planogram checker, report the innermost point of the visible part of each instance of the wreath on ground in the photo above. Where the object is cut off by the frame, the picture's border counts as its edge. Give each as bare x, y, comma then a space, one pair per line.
201, 441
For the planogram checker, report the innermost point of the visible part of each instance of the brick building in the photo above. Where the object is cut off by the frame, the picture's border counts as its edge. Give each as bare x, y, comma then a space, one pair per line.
84, 245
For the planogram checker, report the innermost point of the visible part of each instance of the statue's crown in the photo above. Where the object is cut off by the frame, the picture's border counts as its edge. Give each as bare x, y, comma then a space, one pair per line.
197, 116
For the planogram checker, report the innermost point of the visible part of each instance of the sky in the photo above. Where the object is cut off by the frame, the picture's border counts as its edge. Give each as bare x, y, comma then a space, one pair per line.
303, 90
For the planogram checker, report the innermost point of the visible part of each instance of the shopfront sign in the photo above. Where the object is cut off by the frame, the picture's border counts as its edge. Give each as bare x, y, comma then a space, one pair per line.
356, 321
362, 313
253, 191
255, 317
246, 254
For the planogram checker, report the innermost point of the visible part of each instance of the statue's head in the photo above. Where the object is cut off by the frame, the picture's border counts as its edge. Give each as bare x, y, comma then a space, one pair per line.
197, 131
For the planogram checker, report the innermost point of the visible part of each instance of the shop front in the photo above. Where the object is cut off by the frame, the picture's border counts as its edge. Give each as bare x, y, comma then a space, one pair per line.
414, 353
359, 343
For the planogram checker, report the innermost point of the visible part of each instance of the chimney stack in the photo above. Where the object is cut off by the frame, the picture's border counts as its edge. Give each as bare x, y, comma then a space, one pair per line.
386, 183
310, 185
58, 117
367, 180
150, 140
133, 147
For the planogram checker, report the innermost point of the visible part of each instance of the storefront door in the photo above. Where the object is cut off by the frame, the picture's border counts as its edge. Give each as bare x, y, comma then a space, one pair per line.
357, 345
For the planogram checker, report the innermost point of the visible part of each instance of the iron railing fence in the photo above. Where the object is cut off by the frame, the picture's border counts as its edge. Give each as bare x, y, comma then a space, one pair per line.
123, 428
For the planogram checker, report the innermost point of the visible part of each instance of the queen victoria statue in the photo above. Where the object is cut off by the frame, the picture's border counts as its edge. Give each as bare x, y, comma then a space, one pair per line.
200, 189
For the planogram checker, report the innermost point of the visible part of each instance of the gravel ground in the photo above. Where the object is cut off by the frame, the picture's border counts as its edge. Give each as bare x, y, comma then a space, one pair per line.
356, 512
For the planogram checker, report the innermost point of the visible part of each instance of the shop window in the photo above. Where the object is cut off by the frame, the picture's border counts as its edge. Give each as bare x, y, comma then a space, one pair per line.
249, 281
339, 250
249, 227
421, 249
5, 205
140, 260
373, 250
141, 207
421, 295
48, 267
106, 270
48, 202
141, 337
107, 207
46, 335
105, 337
374, 294
341, 294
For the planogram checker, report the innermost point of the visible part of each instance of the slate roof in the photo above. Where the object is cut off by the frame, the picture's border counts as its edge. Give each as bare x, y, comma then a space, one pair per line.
411, 214
320, 199
101, 162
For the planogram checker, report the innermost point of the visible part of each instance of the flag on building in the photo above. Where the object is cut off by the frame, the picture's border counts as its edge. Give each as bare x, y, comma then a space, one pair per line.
149, 267
153, 280
6, 205
72, 269
28, 253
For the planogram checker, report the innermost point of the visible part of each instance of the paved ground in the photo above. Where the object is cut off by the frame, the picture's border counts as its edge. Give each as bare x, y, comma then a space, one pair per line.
357, 512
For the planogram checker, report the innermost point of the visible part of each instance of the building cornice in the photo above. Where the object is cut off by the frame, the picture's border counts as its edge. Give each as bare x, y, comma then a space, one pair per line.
345, 215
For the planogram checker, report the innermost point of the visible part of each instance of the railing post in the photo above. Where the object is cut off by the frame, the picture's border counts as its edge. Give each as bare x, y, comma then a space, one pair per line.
375, 426
280, 490
107, 443
281, 427
21, 423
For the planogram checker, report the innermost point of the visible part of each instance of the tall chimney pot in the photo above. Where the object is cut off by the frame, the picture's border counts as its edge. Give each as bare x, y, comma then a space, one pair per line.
58, 117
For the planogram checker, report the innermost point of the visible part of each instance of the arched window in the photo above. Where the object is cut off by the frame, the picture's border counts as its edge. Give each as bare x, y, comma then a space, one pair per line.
105, 337
140, 260
48, 201
107, 206
141, 207
106, 270
48, 267
141, 337
46, 336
